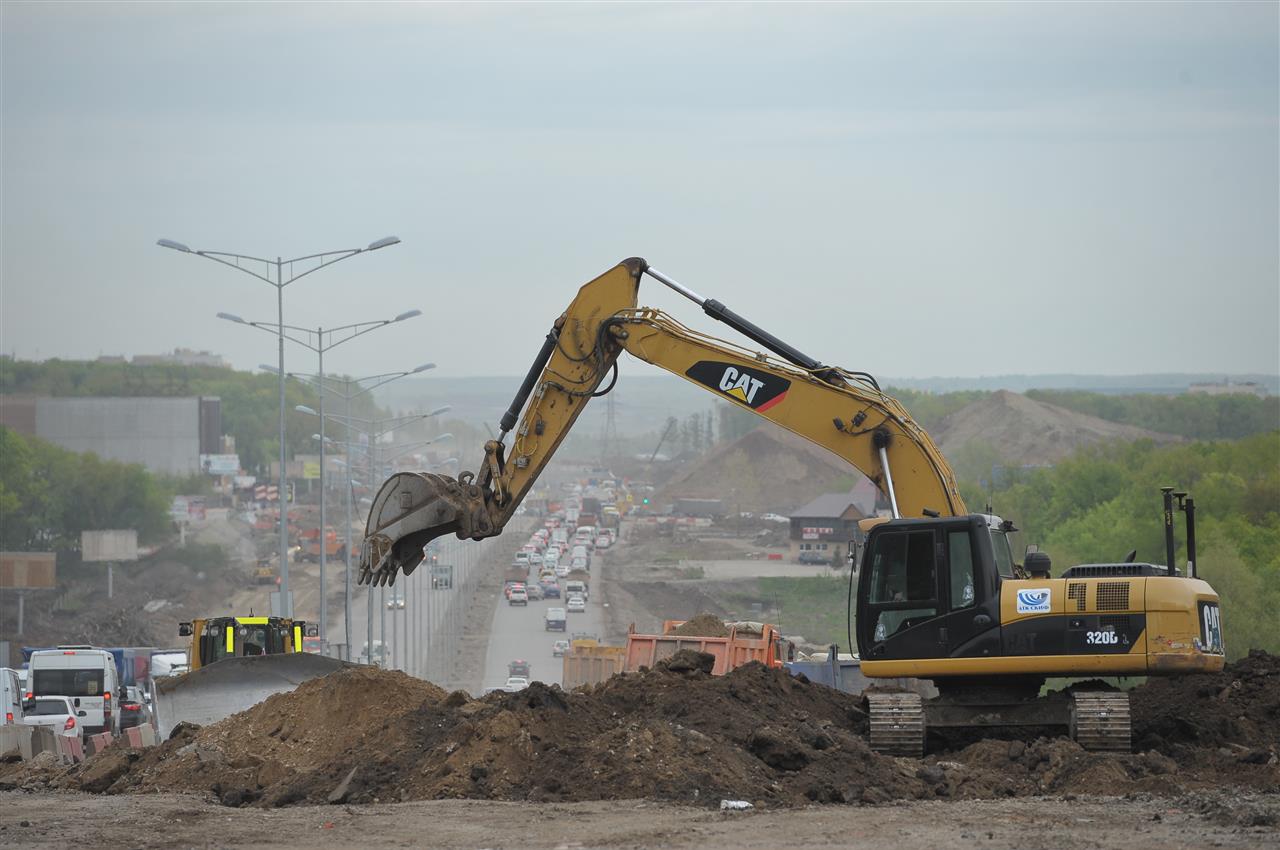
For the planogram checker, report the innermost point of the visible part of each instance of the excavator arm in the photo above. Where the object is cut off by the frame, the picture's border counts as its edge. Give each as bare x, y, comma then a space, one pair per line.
842, 411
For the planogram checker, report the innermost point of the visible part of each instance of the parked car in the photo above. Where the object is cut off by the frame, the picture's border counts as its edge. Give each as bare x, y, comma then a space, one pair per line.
576, 605
134, 710
812, 556
55, 712
518, 596
519, 667
559, 648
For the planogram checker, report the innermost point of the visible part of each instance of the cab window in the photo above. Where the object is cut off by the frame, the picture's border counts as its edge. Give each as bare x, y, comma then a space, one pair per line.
904, 582
960, 556
1003, 554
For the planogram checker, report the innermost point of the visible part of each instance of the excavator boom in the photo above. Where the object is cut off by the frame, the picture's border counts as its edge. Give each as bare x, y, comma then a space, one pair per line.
843, 411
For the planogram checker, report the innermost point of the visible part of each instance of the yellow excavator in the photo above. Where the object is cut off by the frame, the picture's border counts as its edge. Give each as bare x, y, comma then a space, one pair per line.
939, 596
235, 663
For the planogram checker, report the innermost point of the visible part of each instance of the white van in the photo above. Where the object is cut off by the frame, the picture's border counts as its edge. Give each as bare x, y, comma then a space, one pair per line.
10, 697
84, 674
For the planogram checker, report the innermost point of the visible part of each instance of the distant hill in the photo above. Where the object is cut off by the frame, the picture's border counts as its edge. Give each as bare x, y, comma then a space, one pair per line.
1025, 432
767, 469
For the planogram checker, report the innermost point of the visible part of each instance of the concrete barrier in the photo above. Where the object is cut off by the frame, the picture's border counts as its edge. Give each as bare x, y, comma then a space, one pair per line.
95, 744
70, 748
9, 736
39, 739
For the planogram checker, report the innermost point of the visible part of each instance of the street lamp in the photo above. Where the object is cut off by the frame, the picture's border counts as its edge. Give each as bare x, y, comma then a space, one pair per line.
314, 262
318, 382
321, 340
372, 429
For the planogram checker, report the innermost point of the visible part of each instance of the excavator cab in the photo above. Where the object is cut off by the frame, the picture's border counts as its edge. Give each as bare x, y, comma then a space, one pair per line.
930, 588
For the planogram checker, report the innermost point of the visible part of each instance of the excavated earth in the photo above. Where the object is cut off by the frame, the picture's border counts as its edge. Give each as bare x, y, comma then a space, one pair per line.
673, 733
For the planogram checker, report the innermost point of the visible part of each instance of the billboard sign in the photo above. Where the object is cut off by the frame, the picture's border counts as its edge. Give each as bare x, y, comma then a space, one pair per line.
116, 545
220, 464
442, 576
27, 571
178, 509
311, 469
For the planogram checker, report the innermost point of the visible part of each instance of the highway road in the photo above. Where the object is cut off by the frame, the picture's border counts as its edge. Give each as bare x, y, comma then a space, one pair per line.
518, 632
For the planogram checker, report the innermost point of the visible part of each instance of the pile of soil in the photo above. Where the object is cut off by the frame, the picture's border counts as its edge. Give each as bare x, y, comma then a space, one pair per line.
766, 469
1238, 708
703, 625
1025, 431
671, 733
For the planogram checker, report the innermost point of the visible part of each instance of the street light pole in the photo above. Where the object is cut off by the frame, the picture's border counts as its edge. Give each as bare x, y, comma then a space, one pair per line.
234, 261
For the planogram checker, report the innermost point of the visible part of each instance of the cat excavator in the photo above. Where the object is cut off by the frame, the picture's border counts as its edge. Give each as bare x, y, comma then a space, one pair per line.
939, 596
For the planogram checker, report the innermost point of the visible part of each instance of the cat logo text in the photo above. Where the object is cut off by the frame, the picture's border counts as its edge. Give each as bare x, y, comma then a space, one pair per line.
757, 390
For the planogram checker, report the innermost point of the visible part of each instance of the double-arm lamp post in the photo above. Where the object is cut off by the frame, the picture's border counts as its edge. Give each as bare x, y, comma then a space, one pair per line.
310, 263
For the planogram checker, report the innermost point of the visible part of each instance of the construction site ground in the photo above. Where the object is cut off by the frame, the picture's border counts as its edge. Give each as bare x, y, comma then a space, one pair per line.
1142, 822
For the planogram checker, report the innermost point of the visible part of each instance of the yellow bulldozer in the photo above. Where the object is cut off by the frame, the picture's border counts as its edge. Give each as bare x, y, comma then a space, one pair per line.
235, 663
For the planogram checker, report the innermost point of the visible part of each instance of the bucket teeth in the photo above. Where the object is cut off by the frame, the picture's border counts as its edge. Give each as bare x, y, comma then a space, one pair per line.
410, 510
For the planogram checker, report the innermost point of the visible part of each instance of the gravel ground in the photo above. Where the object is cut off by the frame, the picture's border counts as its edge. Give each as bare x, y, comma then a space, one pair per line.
58, 820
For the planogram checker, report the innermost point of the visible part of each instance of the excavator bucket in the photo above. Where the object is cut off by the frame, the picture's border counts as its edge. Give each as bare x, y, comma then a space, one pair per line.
411, 510
231, 685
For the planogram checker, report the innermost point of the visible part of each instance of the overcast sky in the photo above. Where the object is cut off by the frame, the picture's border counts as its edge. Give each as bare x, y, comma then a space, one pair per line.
912, 190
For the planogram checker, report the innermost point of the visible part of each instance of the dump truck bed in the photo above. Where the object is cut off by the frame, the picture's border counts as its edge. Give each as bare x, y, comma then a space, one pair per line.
730, 652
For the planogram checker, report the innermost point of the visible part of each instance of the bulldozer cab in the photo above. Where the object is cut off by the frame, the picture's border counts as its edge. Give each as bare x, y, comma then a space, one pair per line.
930, 588
219, 638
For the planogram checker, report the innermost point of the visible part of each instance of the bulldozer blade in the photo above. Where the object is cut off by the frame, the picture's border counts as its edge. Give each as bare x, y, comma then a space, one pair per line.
411, 510
232, 685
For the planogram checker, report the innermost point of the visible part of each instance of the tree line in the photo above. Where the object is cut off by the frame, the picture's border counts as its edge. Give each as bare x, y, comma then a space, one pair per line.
250, 401
1105, 500
48, 495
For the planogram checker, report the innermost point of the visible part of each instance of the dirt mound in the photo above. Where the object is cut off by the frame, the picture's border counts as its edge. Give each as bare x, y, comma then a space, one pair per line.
1029, 432
1238, 708
703, 625
766, 469
671, 733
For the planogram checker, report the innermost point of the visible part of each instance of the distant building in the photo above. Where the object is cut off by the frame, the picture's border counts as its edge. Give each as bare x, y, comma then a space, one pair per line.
1228, 387
827, 527
166, 435
182, 357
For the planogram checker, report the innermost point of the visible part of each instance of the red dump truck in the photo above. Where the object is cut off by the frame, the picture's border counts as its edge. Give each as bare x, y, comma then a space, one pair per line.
746, 642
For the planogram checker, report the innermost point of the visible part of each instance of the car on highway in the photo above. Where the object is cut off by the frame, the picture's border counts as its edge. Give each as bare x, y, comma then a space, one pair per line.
134, 710
814, 557
603, 542
534, 589
580, 564
555, 620
510, 586
518, 596
519, 667
576, 605
562, 570
576, 588
57, 713
550, 589
559, 648
516, 683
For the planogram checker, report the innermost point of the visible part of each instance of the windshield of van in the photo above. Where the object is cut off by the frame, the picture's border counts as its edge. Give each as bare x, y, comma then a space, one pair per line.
68, 682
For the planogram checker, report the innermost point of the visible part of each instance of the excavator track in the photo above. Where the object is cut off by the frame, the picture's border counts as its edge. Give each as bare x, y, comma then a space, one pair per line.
897, 724
1100, 722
